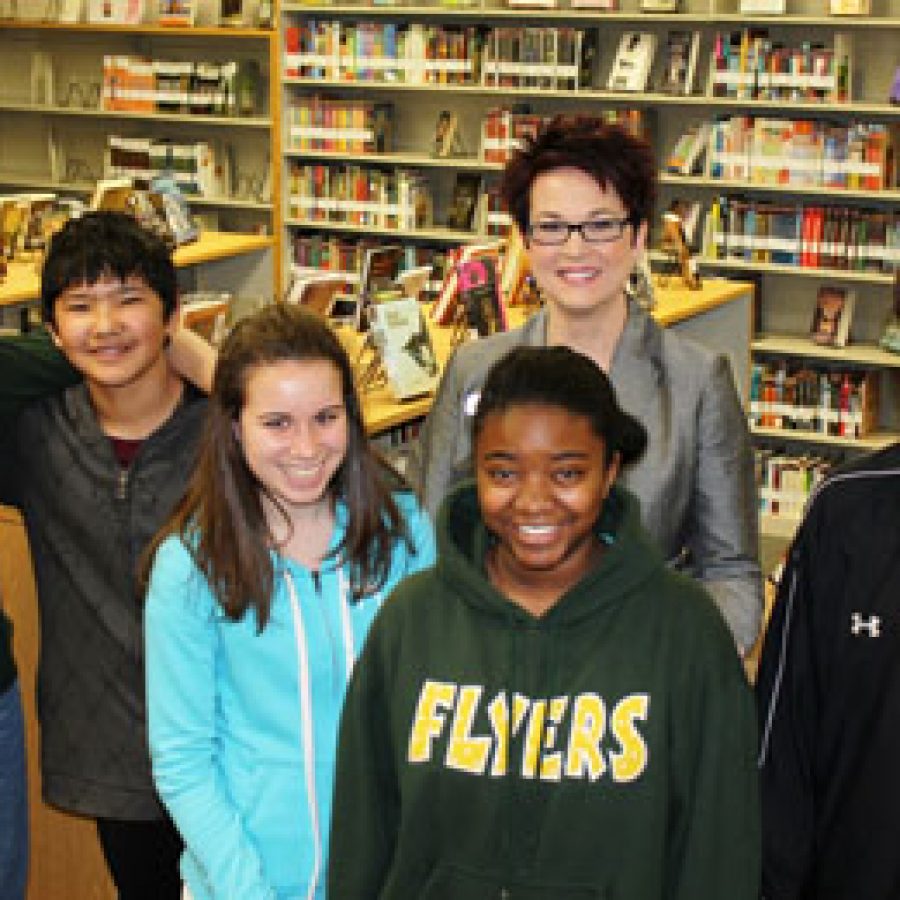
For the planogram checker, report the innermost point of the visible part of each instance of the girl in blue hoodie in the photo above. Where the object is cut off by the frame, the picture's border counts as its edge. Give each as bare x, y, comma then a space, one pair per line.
263, 586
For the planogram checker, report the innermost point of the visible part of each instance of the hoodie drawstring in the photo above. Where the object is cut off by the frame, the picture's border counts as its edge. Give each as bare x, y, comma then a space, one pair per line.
306, 709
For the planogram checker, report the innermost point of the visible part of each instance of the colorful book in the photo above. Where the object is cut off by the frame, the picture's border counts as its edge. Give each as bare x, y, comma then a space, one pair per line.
832, 316
678, 67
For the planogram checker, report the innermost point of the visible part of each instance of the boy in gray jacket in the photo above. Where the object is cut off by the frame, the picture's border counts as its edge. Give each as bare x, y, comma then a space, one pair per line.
95, 471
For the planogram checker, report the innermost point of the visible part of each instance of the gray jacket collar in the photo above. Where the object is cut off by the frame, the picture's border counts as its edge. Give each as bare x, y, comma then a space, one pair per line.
639, 344
80, 409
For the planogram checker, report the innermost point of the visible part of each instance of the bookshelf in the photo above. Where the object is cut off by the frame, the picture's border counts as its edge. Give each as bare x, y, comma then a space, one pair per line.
56, 138
785, 293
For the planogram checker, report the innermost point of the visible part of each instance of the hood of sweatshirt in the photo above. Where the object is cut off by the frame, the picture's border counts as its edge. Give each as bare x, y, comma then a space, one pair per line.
630, 559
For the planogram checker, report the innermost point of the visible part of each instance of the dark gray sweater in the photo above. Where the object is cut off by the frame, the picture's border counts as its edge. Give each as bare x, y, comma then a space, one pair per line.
88, 521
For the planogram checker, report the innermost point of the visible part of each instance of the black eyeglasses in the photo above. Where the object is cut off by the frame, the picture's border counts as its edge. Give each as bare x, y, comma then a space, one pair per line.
553, 232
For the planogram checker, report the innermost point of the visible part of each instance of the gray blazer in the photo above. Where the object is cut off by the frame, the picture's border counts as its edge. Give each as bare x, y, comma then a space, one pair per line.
695, 482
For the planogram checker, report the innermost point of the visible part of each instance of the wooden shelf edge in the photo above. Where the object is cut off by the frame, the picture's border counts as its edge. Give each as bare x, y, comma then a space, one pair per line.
431, 234
858, 354
599, 95
22, 284
204, 31
97, 113
397, 159
876, 441
781, 269
594, 16
702, 181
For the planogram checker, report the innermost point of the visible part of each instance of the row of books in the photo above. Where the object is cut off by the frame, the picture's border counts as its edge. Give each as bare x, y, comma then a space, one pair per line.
356, 195
412, 53
175, 13
797, 397
194, 166
417, 53
137, 84
786, 481
505, 129
805, 235
745, 64
748, 64
354, 126
338, 253
539, 58
400, 198
775, 151
362, 126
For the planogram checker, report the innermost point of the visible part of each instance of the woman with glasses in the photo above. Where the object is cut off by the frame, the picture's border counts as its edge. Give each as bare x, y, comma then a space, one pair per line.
582, 194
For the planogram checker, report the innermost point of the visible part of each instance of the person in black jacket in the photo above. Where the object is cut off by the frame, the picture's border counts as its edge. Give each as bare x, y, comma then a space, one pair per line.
828, 696
30, 368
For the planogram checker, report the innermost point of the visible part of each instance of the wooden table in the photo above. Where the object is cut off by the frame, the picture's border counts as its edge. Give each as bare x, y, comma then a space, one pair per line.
22, 284
718, 315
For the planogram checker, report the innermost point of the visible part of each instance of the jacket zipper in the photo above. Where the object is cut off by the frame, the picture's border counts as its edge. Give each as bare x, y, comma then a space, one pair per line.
122, 485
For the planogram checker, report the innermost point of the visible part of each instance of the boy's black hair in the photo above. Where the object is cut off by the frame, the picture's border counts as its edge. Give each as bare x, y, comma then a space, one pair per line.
561, 377
106, 243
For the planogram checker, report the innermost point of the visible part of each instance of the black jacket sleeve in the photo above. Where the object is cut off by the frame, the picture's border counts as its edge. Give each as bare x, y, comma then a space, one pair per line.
30, 368
788, 709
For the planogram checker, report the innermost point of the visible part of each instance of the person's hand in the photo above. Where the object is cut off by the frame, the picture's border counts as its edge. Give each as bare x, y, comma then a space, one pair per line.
192, 357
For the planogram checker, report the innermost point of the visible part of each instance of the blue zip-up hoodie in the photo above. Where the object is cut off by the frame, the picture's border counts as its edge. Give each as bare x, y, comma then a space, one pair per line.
243, 725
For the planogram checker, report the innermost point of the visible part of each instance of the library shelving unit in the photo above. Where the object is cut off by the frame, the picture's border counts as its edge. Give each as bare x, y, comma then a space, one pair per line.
785, 294
53, 137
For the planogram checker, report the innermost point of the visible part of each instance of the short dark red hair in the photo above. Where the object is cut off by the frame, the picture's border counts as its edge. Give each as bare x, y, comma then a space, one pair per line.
614, 157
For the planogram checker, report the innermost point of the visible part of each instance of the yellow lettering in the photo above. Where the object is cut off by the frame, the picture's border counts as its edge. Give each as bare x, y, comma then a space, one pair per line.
533, 735
498, 715
435, 697
629, 762
498, 712
584, 756
551, 762
521, 705
464, 752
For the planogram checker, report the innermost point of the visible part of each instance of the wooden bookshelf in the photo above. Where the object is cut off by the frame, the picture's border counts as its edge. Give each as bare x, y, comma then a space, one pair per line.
251, 143
676, 306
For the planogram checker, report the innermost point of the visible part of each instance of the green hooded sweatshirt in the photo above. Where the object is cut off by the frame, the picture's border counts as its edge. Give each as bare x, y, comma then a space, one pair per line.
604, 750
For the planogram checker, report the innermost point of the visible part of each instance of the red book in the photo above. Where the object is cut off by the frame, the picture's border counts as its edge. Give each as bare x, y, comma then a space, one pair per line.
805, 237
817, 228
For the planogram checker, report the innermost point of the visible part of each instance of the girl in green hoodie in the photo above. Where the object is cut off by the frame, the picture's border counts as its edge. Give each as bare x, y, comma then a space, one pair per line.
549, 712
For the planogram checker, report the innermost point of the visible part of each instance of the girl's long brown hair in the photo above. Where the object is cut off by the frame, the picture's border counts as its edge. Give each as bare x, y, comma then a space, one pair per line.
220, 518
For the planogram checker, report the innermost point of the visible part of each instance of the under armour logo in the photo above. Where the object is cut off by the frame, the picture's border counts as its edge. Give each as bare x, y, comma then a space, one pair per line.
858, 625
